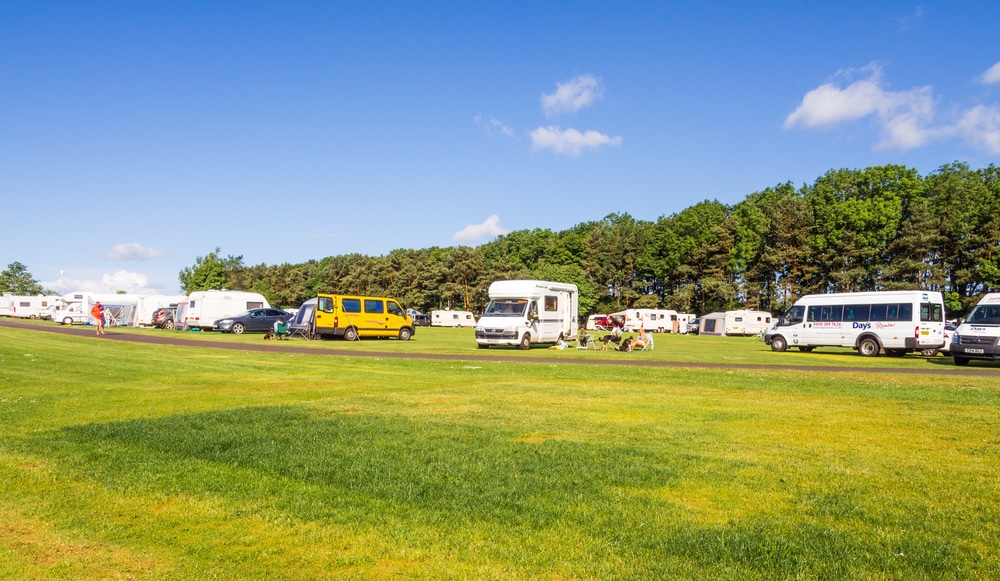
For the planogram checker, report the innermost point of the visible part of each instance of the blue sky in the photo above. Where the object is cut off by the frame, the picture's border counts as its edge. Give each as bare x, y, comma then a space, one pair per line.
137, 136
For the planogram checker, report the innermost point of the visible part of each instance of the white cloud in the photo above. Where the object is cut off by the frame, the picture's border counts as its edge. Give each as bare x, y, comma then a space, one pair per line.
570, 141
473, 233
572, 96
494, 127
992, 75
980, 127
132, 251
130, 282
903, 116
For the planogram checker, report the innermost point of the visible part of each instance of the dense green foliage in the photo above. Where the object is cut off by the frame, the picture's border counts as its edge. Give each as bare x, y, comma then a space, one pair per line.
852, 230
17, 280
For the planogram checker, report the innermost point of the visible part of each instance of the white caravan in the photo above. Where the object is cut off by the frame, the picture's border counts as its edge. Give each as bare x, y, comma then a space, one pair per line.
741, 322
890, 322
119, 308
597, 323
978, 337
653, 320
30, 307
204, 308
522, 312
449, 318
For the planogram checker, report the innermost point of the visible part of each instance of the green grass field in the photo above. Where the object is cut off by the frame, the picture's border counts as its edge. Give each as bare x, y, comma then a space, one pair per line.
131, 461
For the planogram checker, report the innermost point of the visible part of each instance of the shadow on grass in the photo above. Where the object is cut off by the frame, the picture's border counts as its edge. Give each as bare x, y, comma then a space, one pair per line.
468, 482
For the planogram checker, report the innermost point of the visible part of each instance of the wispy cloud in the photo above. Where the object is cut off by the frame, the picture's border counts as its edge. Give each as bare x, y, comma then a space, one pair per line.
494, 127
573, 95
905, 119
570, 141
992, 75
473, 233
132, 251
123, 280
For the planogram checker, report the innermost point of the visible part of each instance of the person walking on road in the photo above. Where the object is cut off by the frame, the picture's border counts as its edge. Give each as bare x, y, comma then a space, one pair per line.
97, 311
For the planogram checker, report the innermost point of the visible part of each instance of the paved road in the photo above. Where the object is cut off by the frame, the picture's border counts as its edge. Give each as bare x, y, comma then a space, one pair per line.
933, 366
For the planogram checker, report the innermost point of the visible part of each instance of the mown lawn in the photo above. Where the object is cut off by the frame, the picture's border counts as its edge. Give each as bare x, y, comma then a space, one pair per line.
126, 461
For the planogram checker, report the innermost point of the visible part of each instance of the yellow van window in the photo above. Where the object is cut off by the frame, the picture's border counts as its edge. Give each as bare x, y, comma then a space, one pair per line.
374, 306
350, 305
393, 308
324, 304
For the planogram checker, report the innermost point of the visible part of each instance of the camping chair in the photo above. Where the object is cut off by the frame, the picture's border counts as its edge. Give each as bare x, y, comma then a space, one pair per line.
649, 344
586, 342
281, 330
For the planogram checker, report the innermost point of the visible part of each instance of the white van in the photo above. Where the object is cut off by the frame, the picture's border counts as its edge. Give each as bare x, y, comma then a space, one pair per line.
889, 322
449, 318
978, 337
523, 312
204, 308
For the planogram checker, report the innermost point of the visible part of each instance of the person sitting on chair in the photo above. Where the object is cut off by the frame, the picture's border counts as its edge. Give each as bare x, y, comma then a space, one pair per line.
280, 330
641, 340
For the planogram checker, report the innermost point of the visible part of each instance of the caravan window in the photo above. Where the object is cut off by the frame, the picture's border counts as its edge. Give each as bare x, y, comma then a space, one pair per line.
551, 303
374, 306
350, 305
254, 305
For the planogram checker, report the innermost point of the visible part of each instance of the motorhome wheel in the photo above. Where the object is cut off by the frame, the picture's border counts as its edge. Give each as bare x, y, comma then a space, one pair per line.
525, 341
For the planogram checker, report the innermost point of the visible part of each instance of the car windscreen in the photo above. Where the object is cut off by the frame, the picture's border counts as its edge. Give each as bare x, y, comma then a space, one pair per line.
506, 308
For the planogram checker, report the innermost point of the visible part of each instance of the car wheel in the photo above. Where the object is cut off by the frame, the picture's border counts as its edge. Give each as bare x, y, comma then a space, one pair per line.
525, 342
778, 344
868, 347
238, 328
168, 325
405, 334
961, 361
929, 352
351, 334
68, 321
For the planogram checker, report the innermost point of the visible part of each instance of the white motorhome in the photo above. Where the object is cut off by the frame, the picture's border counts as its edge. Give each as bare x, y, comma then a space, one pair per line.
653, 320
449, 318
978, 337
204, 308
890, 322
119, 309
31, 307
740, 322
523, 312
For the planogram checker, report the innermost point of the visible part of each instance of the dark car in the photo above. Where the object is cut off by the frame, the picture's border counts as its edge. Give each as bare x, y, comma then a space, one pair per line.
254, 320
163, 318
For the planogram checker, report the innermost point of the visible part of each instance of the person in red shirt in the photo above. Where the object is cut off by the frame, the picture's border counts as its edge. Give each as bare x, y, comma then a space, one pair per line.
97, 311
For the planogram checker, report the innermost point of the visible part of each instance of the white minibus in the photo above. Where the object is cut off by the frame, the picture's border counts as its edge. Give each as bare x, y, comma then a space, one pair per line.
978, 337
887, 322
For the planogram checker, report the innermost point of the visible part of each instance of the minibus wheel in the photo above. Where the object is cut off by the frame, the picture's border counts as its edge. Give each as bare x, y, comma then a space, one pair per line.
868, 347
351, 334
404, 334
778, 343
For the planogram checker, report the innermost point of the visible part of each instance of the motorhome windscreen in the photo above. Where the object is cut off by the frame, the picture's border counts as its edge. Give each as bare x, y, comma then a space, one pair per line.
985, 315
506, 308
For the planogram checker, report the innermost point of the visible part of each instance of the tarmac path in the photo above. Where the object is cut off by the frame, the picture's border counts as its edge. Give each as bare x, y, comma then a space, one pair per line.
933, 368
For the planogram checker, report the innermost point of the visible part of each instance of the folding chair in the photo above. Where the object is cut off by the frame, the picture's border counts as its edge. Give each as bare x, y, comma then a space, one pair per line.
586, 342
281, 330
649, 344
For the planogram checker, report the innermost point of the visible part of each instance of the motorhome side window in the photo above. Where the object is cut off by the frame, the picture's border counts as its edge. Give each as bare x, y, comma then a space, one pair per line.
930, 312
551, 304
374, 306
350, 305
192, 304
325, 304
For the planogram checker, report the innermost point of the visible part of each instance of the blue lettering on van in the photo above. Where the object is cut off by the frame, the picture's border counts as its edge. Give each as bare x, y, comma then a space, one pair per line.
861, 326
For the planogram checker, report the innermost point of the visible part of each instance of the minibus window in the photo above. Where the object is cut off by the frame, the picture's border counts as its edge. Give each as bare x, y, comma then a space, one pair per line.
856, 312
324, 304
374, 306
793, 316
350, 305
879, 313
905, 312
930, 312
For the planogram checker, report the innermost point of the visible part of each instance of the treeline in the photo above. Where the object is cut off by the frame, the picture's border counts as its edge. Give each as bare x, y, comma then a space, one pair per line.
879, 228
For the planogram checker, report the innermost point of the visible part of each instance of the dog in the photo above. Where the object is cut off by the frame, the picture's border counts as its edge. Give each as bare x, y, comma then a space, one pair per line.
269, 335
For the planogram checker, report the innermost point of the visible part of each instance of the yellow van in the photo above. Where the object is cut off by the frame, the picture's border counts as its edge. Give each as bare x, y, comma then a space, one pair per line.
353, 317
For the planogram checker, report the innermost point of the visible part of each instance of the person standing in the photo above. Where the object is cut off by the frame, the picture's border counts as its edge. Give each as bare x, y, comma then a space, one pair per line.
97, 311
